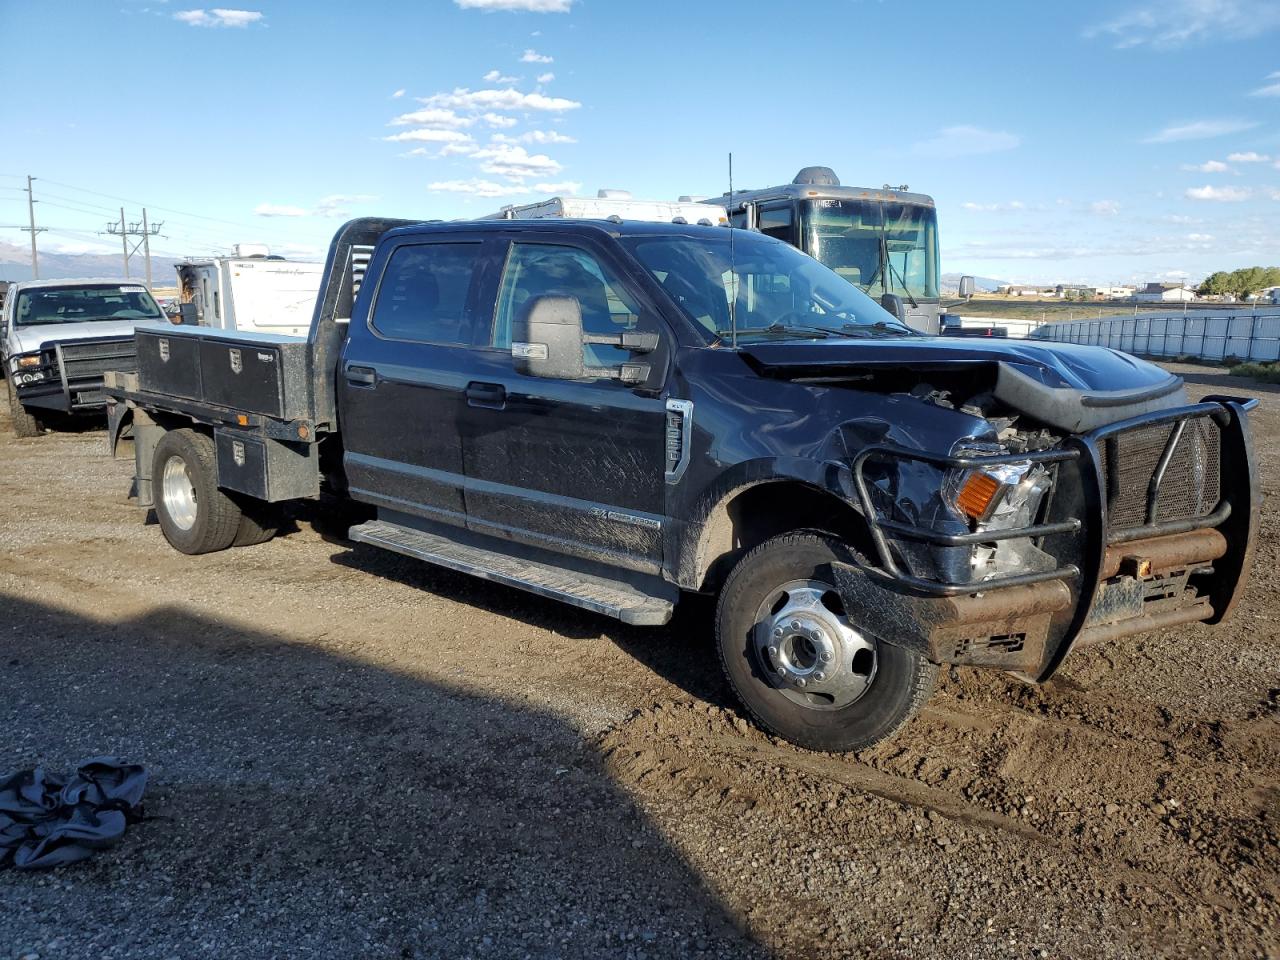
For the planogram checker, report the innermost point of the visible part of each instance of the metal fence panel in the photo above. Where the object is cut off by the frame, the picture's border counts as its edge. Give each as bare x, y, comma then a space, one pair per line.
1251, 336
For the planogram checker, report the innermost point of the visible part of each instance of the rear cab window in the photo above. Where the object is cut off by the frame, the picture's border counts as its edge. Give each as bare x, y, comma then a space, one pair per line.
425, 291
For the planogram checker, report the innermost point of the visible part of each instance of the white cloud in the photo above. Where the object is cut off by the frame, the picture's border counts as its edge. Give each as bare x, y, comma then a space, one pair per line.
1005, 206
1171, 24
398, 94
568, 186
533, 56
508, 99
1209, 166
1199, 130
534, 136
432, 117
963, 141
331, 206
1199, 237
528, 6
280, 210
337, 203
1220, 194
218, 17
546, 77
1271, 89
496, 76
498, 120
428, 135
515, 162
1105, 208
476, 187
1248, 157
1273, 193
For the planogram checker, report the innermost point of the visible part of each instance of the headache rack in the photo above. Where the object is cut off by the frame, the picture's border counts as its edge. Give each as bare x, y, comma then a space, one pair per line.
1152, 475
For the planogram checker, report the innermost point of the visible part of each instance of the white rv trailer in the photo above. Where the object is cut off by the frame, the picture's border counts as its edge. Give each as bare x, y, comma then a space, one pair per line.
616, 203
251, 291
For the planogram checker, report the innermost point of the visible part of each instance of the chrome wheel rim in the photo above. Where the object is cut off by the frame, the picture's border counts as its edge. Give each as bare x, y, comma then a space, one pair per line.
808, 650
179, 493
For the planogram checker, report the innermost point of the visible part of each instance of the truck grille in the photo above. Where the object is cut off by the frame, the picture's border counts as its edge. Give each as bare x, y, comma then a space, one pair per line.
90, 359
1190, 488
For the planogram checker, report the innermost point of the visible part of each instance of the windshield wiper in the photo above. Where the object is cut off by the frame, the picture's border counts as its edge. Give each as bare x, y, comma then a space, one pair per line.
778, 330
880, 328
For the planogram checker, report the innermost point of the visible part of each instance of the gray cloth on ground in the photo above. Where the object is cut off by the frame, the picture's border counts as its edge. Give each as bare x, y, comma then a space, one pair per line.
47, 820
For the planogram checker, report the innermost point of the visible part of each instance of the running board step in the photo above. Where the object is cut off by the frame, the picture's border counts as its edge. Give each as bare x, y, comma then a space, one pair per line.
613, 598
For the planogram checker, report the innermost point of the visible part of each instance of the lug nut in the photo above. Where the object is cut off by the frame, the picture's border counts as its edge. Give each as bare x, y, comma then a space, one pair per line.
819, 676
777, 632
773, 651
795, 625
800, 681
826, 656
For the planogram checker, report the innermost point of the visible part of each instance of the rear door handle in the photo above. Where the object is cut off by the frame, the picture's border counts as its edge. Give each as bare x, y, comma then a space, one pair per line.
362, 376
492, 395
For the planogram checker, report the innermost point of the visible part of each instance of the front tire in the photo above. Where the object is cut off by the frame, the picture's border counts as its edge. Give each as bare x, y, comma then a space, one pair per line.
24, 424
195, 516
798, 660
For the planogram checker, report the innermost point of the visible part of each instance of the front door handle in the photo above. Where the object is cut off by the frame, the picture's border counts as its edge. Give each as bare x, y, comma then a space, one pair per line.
362, 376
491, 395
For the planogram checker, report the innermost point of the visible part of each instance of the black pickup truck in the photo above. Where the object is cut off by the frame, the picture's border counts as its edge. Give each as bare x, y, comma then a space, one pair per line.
615, 414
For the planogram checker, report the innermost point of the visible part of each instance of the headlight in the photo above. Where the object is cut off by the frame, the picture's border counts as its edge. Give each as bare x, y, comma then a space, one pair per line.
30, 361
1000, 496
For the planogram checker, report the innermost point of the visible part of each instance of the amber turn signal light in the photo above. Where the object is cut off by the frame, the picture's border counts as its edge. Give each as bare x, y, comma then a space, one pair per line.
976, 494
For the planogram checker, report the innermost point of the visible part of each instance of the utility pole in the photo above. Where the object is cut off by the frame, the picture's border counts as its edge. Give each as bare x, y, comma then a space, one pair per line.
146, 246
145, 230
124, 242
31, 216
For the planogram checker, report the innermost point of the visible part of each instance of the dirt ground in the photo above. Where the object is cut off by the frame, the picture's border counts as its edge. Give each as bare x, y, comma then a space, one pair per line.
356, 755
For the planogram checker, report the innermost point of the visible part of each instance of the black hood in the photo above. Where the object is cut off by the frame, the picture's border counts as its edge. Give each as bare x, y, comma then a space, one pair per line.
1069, 386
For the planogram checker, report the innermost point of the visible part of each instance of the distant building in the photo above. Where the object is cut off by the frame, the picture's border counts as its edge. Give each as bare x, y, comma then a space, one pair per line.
1014, 290
1122, 292
1074, 291
1165, 293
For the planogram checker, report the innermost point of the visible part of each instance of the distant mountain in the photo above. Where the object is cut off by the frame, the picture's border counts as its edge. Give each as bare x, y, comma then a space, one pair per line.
951, 283
15, 264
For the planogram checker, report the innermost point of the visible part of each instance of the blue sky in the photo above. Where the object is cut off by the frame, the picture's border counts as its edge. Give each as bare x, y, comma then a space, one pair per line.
1063, 142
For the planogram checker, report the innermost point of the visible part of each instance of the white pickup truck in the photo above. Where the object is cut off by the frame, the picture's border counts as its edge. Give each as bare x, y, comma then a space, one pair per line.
57, 337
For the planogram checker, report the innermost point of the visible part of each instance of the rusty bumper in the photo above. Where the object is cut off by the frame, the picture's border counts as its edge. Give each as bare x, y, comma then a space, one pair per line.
1129, 581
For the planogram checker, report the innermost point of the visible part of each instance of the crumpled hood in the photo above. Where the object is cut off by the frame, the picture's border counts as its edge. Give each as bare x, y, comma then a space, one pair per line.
1070, 386
29, 339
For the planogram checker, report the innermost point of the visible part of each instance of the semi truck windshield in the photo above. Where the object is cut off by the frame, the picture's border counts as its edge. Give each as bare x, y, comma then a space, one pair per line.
882, 247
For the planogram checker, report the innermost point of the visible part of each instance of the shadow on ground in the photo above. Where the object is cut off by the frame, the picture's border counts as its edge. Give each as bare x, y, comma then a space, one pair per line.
308, 803
682, 652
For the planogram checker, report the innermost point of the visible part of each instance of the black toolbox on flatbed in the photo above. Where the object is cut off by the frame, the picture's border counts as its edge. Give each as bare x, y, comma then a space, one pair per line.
258, 373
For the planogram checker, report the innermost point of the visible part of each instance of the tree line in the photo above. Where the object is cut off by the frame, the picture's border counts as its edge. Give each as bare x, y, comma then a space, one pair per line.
1241, 283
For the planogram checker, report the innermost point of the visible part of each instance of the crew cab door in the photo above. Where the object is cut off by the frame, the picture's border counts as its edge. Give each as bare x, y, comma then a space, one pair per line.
402, 377
575, 466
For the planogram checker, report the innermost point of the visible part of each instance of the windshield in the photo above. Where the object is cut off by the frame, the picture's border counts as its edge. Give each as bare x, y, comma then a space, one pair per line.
774, 289
866, 240
48, 305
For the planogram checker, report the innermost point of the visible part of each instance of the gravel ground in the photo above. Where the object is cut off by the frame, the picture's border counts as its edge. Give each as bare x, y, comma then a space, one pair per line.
356, 755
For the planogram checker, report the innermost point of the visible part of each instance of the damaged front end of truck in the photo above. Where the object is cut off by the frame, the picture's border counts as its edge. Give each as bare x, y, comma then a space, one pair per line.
1086, 500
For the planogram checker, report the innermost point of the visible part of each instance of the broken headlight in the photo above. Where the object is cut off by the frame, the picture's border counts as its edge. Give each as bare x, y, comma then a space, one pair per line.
1002, 496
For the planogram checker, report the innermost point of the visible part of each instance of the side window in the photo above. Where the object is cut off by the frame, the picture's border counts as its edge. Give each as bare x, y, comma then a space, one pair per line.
542, 269
738, 218
423, 293
776, 222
